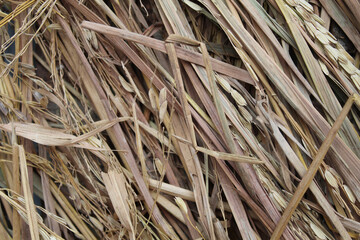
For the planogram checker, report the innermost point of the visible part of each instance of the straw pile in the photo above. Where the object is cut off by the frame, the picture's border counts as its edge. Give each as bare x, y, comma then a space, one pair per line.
180, 119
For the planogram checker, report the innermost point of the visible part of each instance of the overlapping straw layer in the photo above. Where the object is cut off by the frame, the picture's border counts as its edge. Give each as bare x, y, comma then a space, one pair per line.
180, 119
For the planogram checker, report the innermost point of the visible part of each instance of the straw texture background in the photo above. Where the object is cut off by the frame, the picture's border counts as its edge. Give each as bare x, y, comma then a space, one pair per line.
179, 119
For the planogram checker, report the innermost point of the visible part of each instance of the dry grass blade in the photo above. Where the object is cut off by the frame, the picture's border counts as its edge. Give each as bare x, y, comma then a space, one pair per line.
229, 156
196, 58
29, 202
16, 186
55, 137
115, 184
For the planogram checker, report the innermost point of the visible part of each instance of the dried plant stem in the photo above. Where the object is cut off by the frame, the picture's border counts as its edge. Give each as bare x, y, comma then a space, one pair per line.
16, 187
29, 202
